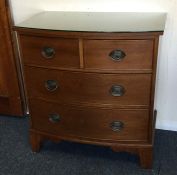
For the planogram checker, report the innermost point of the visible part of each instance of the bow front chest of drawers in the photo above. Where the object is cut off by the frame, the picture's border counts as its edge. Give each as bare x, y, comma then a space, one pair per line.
90, 83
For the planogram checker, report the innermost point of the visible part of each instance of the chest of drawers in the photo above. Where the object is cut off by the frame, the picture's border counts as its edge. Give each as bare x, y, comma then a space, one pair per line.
91, 87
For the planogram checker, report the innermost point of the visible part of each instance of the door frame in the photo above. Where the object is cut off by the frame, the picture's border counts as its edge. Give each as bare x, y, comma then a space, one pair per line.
11, 101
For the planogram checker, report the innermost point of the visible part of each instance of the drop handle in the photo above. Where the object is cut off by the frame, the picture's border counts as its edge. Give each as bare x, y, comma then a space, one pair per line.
117, 126
51, 85
54, 118
117, 55
117, 90
48, 52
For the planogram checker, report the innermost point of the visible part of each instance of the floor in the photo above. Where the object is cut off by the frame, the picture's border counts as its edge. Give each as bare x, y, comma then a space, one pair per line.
65, 158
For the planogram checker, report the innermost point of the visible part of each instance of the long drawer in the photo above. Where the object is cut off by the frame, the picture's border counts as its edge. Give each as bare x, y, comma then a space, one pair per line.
118, 54
72, 87
89, 123
50, 52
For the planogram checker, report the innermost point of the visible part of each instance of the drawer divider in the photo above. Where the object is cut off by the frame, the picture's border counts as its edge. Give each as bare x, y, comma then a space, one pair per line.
81, 54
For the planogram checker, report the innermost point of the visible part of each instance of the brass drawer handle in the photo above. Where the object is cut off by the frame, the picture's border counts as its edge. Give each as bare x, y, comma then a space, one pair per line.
51, 85
48, 52
54, 118
117, 126
117, 55
117, 90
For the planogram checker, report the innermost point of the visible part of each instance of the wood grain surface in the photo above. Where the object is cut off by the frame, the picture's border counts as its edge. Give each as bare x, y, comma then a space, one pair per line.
78, 87
66, 51
138, 54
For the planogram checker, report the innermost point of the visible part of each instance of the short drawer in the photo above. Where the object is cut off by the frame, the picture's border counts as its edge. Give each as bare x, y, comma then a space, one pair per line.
89, 123
78, 87
50, 52
118, 54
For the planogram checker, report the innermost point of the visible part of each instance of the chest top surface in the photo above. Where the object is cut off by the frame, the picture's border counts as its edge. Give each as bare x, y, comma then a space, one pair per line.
97, 21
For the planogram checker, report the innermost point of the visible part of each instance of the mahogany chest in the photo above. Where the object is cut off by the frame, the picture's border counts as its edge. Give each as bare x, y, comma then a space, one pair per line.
91, 87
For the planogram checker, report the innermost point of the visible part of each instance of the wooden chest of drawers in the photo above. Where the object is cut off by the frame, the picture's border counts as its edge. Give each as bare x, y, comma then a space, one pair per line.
91, 87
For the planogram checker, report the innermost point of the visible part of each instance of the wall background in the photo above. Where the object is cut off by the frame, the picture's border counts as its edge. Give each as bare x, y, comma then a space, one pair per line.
166, 84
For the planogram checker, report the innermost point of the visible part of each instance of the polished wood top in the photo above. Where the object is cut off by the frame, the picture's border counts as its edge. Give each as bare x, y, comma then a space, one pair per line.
97, 21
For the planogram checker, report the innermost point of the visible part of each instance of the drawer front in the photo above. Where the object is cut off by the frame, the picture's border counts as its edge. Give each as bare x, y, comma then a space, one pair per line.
50, 52
118, 54
104, 124
71, 87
